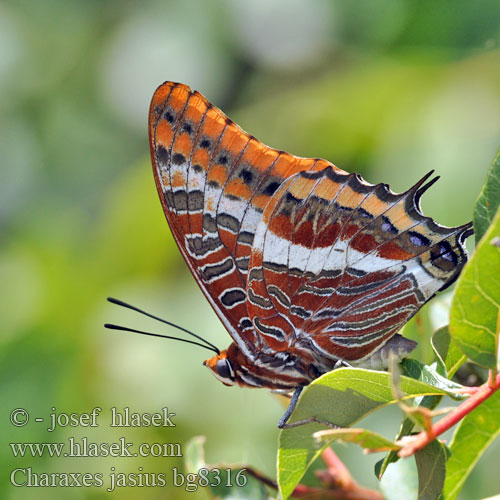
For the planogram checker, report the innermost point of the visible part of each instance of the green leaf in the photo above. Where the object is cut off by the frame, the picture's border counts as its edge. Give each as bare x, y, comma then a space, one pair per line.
392, 457
431, 466
400, 482
231, 485
419, 329
449, 357
342, 397
223, 482
476, 304
194, 454
362, 437
488, 201
417, 370
472, 437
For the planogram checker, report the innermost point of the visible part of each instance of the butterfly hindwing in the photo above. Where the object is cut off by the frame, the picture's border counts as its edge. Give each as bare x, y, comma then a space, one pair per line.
339, 265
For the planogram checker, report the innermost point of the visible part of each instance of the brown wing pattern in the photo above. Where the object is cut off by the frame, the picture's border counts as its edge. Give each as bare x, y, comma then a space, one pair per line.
339, 265
214, 182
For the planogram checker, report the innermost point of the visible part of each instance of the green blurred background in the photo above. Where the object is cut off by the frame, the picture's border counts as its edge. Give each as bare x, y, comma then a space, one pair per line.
389, 89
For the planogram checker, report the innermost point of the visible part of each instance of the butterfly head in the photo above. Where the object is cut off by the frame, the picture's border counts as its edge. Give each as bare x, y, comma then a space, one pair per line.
222, 368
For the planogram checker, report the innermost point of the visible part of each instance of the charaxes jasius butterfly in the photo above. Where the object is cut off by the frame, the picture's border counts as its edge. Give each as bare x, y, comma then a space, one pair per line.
307, 266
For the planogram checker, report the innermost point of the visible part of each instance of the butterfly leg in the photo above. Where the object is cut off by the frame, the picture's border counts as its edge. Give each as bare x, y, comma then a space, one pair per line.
293, 403
282, 424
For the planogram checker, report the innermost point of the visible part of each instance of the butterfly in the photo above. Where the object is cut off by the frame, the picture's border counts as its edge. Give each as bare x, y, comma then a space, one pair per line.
308, 267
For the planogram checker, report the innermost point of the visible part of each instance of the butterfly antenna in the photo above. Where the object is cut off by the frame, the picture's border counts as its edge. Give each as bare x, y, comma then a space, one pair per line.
133, 308
110, 326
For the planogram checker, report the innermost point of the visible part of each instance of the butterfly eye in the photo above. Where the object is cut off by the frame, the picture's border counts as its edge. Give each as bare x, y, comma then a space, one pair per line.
224, 369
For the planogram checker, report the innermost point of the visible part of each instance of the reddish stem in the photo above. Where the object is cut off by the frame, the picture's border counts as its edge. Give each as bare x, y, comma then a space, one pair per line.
419, 441
339, 484
336, 467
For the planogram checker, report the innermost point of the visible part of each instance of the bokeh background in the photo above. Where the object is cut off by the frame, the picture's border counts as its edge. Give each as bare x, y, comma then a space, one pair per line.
389, 89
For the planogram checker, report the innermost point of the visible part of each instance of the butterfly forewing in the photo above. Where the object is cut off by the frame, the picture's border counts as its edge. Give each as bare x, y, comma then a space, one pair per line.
214, 182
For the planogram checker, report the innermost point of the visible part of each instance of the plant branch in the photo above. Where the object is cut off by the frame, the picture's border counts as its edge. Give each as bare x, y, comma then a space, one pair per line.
342, 485
411, 444
336, 467
339, 484
494, 372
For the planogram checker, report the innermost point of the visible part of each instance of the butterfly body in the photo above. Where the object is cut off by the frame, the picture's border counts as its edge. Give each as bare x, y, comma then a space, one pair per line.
306, 265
